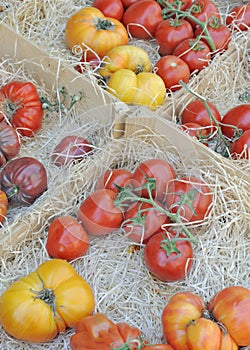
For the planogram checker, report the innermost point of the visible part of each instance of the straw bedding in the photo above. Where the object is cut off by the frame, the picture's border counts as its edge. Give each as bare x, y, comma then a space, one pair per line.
124, 289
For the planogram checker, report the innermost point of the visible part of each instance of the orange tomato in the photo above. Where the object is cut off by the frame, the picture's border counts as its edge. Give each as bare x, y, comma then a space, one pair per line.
3, 206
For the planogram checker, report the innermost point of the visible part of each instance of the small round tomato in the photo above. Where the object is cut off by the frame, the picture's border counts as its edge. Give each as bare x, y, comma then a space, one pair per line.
67, 239
239, 118
159, 170
202, 10
203, 334
239, 17
220, 34
196, 53
170, 32
191, 197
113, 178
172, 69
168, 257
196, 130
70, 148
231, 307
3, 206
142, 18
195, 112
142, 220
110, 8
98, 213
240, 148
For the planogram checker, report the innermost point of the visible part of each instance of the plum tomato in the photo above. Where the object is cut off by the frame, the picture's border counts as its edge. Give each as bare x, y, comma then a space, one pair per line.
158, 169
191, 197
240, 148
168, 257
113, 178
196, 53
142, 220
195, 112
67, 239
98, 213
170, 32
239, 118
172, 69
142, 18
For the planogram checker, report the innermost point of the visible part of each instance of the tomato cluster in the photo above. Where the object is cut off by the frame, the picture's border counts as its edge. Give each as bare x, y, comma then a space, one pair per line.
229, 134
187, 33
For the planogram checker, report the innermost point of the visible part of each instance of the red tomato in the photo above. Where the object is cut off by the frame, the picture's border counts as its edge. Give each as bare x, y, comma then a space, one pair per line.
239, 117
157, 169
172, 69
202, 10
110, 8
142, 220
166, 258
10, 143
239, 17
170, 32
70, 148
113, 178
220, 34
196, 53
142, 18
241, 147
127, 3
197, 202
195, 130
67, 239
231, 307
184, 4
21, 104
98, 213
196, 112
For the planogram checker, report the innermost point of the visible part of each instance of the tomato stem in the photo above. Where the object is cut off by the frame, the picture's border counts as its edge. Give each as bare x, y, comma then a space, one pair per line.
170, 9
46, 295
61, 103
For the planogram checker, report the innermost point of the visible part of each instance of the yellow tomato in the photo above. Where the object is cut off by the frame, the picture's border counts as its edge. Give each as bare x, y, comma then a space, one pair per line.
40, 305
125, 56
94, 32
145, 88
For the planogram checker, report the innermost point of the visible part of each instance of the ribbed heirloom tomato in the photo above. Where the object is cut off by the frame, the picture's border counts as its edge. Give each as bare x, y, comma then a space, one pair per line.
67, 238
94, 33
10, 143
47, 301
20, 104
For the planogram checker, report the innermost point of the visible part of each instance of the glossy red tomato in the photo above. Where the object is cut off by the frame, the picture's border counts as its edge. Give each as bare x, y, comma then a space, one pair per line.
172, 69
238, 117
67, 238
166, 258
202, 10
184, 4
196, 112
142, 220
110, 8
239, 17
196, 53
196, 130
196, 196
98, 213
170, 32
220, 34
241, 147
158, 169
113, 178
142, 18
71, 148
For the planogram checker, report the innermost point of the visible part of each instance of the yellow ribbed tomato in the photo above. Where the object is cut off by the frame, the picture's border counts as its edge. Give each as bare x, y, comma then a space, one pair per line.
125, 56
40, 305
94, 32
144, 88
